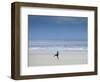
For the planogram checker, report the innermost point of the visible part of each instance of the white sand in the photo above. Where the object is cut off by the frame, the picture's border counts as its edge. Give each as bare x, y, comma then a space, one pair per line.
65, 58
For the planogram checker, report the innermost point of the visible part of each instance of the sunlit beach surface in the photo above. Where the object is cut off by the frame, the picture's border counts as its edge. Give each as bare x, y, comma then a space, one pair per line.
66, 57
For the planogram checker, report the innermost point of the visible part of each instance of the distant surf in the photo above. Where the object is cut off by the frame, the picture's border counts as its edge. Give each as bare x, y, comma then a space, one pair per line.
58, 45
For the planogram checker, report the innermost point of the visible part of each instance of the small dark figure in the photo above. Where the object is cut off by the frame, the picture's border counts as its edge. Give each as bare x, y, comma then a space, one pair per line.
57, 55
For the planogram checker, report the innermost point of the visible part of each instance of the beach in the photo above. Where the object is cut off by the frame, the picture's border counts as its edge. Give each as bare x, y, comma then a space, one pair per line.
66, 57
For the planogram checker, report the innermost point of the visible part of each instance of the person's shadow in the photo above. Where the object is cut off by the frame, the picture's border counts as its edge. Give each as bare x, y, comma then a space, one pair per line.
57, 55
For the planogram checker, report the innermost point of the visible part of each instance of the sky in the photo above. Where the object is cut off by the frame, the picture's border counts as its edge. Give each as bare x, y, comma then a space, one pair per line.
57, 28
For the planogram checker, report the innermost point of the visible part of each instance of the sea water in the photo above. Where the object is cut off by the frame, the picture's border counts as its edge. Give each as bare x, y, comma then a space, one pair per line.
58, 45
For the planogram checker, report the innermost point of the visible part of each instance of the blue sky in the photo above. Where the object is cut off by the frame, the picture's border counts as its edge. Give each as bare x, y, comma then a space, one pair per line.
57, 28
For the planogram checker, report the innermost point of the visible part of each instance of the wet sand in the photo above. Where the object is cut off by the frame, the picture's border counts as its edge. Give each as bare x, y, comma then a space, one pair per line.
36, 58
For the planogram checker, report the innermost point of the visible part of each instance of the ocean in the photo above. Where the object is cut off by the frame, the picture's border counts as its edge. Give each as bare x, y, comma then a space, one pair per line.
58, 45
